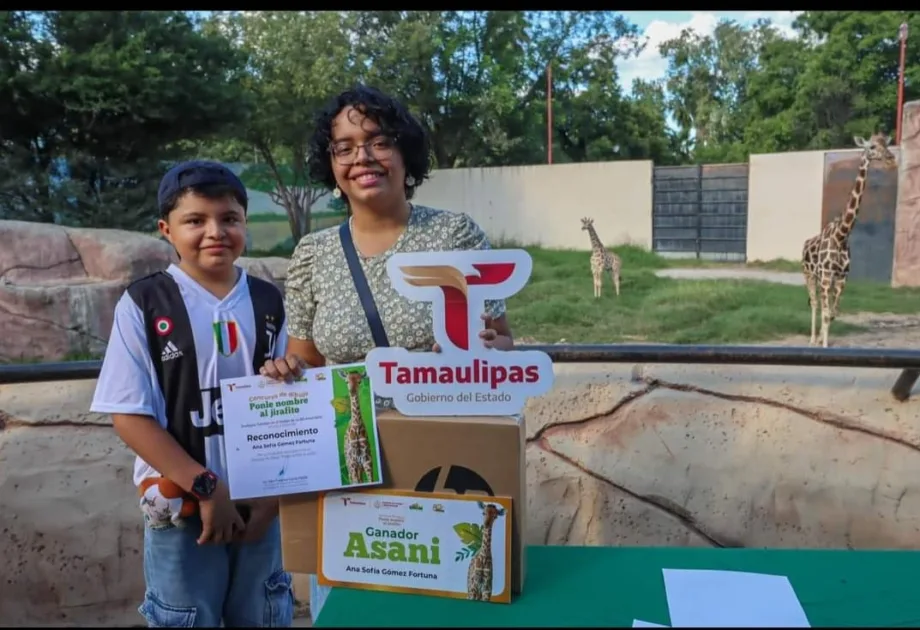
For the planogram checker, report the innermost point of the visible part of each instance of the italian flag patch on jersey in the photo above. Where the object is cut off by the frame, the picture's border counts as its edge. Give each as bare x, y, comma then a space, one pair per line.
226, 336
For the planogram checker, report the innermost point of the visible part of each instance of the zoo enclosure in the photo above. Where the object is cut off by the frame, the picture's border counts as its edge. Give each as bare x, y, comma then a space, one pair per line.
906, 360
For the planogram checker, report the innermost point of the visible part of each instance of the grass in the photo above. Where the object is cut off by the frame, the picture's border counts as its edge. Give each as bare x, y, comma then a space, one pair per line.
559, 304
272, 236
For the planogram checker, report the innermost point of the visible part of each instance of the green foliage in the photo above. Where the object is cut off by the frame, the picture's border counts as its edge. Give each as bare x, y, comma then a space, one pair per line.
470, 535
297, 60
746, 90
95, 104
337, 205
92, 103
261, 177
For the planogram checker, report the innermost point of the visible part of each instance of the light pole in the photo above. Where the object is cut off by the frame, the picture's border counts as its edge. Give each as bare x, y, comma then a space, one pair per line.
902, 35
549, 113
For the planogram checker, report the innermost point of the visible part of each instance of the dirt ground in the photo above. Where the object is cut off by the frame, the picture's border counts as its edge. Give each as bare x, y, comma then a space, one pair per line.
885, 330
733, 273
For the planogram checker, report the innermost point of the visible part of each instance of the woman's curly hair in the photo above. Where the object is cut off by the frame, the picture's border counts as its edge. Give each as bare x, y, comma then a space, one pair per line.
394, 120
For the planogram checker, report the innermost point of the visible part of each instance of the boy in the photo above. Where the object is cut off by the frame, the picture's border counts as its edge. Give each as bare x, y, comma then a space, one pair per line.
176, 334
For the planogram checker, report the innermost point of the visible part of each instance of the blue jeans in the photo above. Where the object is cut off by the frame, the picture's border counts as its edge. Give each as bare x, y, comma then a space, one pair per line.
191, 585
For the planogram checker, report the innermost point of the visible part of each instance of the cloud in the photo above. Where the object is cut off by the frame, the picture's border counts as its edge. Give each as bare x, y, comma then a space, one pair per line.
650, 65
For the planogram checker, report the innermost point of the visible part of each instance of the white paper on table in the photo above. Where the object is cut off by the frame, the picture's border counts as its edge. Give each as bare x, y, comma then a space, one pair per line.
720, 599
638, 623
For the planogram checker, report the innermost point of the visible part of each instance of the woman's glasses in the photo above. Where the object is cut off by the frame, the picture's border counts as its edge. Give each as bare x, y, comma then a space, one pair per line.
378, 148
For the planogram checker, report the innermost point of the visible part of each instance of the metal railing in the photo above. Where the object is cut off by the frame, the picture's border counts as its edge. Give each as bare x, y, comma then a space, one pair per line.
906, 360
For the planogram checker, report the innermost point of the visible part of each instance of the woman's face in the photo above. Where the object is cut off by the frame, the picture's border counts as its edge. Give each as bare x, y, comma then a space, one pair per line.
368, 166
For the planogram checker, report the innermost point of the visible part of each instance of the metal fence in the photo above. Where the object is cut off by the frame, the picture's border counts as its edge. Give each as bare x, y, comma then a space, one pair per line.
700, 211
906, 360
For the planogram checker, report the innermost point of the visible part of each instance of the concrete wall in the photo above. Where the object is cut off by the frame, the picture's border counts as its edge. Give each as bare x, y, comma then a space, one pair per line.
542, 205
784, 203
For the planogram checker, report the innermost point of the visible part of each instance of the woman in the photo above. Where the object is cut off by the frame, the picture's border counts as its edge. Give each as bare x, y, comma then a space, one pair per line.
369, 150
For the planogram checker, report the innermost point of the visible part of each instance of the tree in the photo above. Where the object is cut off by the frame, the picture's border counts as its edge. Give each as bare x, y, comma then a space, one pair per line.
298, 60
476, 79
595, 121
707, 80
849, 85
770, 113
96, 101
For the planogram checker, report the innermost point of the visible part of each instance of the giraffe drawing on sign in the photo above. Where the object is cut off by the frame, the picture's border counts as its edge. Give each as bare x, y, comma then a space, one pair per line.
479, 575
601, 260
358, 460
826, 256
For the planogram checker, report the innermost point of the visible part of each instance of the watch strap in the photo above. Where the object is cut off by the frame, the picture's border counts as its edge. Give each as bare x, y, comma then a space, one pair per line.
204, 485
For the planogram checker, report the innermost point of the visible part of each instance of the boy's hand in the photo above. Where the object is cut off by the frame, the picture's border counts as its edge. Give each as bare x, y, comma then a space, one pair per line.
262, 513
219, 518
282, 368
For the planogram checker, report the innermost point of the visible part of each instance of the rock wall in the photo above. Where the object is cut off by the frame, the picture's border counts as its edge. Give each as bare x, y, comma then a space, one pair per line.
726, 457
59, 286
616, 455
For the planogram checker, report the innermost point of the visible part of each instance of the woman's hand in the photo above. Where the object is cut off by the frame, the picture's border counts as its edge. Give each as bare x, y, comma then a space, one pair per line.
490, 337
283, 368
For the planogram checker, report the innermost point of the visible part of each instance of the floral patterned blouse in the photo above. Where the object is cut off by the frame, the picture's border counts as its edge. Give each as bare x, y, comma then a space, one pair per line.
322, 303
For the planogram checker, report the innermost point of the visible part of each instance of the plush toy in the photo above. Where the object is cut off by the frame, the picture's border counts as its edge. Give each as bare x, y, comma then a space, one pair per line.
163, 502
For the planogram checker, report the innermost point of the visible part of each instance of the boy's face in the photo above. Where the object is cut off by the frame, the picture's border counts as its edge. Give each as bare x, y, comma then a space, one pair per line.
208, 234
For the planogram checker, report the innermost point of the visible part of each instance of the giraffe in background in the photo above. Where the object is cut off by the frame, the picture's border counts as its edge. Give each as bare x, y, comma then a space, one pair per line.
479, 575
826, 256
357, 445
601, 260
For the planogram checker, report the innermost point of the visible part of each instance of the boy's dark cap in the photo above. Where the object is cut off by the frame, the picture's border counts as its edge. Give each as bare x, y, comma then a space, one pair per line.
198, 173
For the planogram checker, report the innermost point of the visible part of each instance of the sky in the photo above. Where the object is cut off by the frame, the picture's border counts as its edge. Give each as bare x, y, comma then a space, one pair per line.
660, 26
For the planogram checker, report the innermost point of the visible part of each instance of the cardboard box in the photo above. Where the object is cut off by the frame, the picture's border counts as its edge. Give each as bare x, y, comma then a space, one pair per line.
478, 455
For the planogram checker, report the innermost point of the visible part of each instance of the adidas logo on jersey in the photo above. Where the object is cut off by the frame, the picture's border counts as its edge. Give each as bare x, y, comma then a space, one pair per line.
170, 352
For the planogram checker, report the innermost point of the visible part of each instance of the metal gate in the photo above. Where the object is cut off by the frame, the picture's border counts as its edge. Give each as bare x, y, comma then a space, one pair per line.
700, 211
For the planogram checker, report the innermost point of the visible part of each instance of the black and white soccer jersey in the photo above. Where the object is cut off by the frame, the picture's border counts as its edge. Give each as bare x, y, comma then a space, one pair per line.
172, 343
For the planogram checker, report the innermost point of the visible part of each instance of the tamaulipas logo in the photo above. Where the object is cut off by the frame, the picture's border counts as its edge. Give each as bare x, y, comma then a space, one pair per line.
465, 378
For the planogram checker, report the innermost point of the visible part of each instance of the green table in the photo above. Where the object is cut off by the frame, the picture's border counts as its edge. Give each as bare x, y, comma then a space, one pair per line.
611, 586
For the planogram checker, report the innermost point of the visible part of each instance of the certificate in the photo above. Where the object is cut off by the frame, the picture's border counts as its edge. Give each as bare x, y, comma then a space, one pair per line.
316, 433
442, 544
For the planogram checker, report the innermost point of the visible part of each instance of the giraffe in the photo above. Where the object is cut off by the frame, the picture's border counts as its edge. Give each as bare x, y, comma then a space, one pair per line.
357, 446
826, 256
479, 575
601, 259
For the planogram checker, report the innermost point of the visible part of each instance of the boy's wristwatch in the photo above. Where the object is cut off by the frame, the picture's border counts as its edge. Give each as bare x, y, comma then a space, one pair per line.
204, 485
